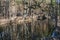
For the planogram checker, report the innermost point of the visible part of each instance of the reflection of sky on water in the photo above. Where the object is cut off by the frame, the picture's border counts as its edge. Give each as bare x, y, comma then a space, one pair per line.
58, 1
1, 34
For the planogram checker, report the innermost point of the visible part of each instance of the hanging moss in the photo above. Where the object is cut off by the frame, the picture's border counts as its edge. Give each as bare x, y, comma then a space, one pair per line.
51, 29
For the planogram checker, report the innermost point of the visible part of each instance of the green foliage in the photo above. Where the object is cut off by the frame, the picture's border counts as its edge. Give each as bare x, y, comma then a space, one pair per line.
54, 2
18, 1
1, 28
